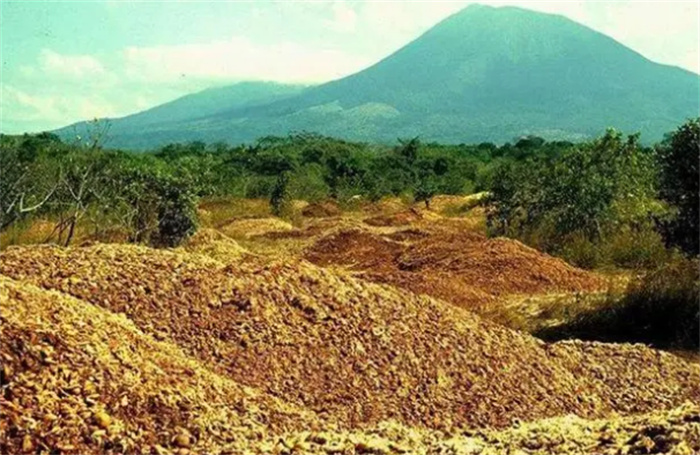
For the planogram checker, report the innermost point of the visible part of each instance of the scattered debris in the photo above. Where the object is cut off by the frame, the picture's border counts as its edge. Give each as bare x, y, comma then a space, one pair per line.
208, 348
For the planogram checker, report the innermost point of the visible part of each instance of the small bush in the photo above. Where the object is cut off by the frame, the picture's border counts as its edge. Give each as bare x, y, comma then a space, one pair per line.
660, 308
280, 201
177, 215
679, 159
162, 209
259, 187
306, 183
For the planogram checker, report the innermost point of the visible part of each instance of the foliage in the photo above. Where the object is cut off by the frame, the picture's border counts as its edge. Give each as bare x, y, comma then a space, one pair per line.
594, 202
159, 208
153, 200
679, 157
279, 199
24, 168
582, 197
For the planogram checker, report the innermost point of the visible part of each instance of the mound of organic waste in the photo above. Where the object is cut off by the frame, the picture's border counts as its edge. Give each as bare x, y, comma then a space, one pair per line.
215, 244
354, 352
663, 432
290, 234
251, 227
79, 379
465, 268
632, 364
356, 249
447, 286
321, 210
408, 235
499, 265
386, 205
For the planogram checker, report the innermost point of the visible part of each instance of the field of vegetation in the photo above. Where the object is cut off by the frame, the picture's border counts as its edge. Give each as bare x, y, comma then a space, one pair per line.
311, 295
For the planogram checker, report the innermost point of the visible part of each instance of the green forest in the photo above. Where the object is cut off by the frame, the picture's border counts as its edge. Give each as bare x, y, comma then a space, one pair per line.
608, 201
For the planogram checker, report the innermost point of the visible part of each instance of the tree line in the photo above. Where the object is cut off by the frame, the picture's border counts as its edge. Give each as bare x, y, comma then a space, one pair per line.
552, 194
153, 195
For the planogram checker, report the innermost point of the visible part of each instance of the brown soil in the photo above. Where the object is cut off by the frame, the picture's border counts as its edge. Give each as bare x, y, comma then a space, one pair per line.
349, 353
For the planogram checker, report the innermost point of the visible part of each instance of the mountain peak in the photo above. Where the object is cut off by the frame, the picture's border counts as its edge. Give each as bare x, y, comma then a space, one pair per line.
505, 18
482, 74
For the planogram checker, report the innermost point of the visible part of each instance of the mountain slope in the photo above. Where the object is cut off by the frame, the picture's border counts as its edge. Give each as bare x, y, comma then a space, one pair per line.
482, 74
212, 101
161, 124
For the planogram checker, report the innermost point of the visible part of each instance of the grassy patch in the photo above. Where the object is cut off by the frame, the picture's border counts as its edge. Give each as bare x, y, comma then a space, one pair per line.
660, 308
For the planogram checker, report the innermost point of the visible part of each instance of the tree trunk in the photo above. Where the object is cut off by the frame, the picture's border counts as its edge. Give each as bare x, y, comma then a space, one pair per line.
71, 230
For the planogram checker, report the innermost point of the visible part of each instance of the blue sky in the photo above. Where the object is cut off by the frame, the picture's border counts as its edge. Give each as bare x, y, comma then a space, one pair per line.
68, 61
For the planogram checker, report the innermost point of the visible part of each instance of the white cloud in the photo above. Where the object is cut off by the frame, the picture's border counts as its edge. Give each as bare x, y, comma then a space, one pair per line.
238, 58
406, 18
53, 110
59, 89
76, 66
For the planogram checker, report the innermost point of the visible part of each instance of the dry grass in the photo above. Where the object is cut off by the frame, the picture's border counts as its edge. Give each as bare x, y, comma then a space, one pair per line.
660, 308
253, 227
453, 206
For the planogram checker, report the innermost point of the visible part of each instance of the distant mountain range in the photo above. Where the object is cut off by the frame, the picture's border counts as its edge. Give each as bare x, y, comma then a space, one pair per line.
483, 74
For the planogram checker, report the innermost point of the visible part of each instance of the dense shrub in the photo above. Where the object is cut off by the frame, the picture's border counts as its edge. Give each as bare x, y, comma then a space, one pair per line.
627, 247
279, 199
584, 204
158, 208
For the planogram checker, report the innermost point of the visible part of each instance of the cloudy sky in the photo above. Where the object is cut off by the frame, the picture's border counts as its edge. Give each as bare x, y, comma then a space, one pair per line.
65, 61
